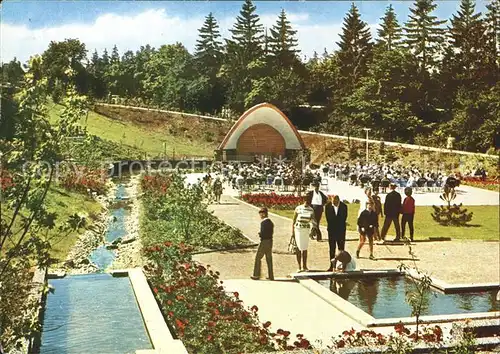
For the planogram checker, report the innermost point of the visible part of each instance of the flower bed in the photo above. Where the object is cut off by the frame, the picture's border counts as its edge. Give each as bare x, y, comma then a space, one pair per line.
200, 312
478, 182
273, 200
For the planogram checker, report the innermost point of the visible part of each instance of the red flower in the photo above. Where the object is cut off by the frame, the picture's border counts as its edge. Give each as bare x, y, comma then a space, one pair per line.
209, 337
211, 324
236, 294
155, 290
170, 314
179, 324
267, 324
254, 308
341, 344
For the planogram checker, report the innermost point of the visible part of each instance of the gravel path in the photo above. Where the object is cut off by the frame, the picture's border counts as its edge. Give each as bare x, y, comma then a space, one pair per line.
455, 262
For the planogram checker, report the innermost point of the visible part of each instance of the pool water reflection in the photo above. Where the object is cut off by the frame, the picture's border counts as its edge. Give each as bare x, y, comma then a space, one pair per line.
95, 313
386, 297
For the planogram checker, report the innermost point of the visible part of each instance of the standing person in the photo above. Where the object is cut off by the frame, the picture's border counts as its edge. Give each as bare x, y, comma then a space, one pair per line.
377, 206
318, 200
303, 221
408, 211
336, 217
392, 209
367, 198
265, 246
367, 223
217, 189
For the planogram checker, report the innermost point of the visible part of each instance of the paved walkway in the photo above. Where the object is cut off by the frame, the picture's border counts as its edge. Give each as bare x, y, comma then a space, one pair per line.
454, 262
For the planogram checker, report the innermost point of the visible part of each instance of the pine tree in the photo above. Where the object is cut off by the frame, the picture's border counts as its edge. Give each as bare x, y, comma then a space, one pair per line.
105, 58
389, 35
466, 41
354, 50
208, 50
424, 34
115, 56
247, 35
492, 39
282, 42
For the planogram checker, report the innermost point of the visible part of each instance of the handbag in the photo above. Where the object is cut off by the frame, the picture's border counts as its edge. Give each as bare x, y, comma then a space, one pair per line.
314, 233
292, 245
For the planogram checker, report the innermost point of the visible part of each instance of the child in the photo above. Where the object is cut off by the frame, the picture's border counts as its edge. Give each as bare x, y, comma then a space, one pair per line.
367, 223
346, 263
408, 211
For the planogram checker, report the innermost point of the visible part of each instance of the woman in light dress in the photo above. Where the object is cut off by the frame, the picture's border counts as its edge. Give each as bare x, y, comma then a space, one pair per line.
303, 222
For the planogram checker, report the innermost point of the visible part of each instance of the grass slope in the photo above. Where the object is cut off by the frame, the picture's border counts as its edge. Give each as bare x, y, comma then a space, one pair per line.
64, 204
141, 139
484, 225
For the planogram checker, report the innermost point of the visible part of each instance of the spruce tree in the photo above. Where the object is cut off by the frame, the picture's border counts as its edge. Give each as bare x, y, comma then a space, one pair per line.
208, 50
492, 40
282, 42
115, 56
354, 50
466, 40
389, 34
247, 35
424, 34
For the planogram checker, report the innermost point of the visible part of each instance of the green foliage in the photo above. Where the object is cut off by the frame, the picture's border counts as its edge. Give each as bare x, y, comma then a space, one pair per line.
450, 214
176, 212
283, 43
390, 32
59, 58
354, 50
29, 157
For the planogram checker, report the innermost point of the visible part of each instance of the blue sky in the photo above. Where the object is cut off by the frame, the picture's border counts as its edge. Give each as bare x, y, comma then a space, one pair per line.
28, 26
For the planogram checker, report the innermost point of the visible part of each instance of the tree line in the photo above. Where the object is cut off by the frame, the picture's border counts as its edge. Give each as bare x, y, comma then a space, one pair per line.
419, 81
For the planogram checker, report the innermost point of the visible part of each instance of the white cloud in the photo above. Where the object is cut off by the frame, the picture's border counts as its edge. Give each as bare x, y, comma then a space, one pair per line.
154, 27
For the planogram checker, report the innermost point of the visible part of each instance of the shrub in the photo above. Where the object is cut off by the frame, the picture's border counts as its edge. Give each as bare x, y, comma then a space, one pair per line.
82, 179
447, 215
176, 212
201, 313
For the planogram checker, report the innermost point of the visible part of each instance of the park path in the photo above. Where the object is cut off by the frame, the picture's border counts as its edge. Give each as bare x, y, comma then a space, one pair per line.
455, 262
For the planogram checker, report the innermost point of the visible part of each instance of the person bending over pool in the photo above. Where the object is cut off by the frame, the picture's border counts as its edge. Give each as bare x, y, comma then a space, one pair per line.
343, 262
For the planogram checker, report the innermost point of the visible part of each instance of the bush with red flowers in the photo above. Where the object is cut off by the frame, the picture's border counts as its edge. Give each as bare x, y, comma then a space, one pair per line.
6, 180
83, 178
156, 184
201, 313
403, 340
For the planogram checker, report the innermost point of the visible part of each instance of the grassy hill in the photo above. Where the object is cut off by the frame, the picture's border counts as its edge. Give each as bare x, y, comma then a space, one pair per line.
149, 135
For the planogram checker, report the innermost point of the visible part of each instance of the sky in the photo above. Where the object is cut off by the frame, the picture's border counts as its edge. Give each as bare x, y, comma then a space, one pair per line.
27, 27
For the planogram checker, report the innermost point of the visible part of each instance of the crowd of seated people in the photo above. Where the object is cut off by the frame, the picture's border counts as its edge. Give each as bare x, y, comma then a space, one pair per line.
273, 176
380, 176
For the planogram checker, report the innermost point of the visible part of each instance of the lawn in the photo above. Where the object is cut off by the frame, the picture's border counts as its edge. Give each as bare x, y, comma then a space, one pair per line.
139, 139
66, 203
484, 224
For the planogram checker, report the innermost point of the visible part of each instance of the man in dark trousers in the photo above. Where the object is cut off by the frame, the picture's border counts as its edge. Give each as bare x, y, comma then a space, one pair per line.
319, 199
392, 209
265, 246
336, 217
